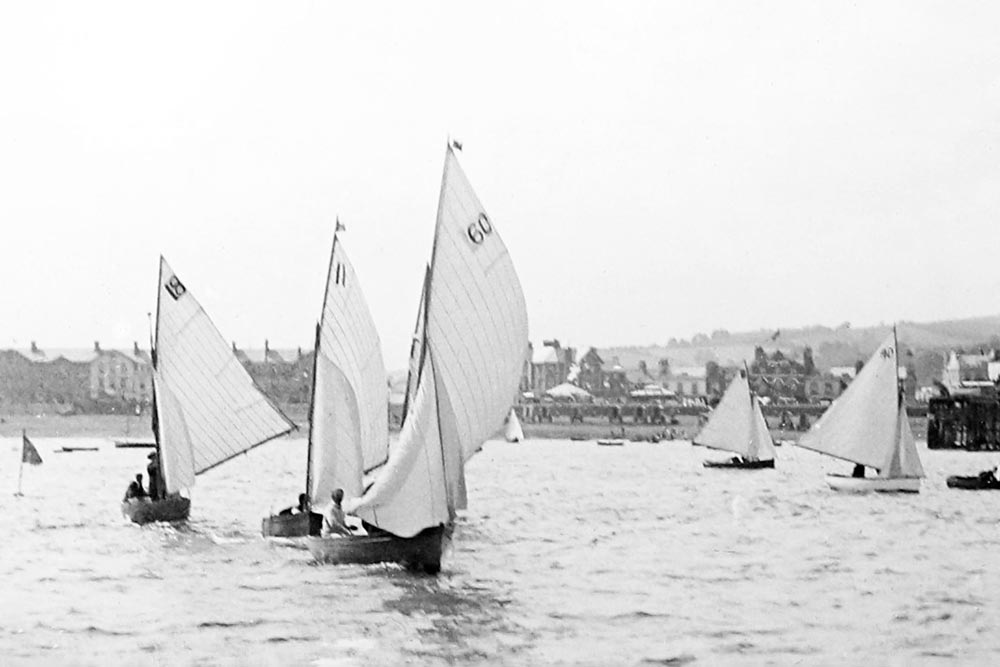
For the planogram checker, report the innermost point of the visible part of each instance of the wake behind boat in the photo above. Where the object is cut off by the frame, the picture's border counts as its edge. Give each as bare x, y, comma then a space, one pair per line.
867, 425
737, 425
472, 336
206, 407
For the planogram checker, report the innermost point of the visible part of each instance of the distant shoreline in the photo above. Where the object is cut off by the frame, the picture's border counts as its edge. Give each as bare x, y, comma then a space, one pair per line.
112, 427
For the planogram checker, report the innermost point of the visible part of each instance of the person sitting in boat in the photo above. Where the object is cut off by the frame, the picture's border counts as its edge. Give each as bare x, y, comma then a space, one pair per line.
859, 471
301, 508
334, 521
153, 470
990, 477
135, 489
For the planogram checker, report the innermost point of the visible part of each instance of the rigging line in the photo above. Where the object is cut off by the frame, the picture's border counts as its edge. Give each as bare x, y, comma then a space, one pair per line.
312, 410
229, 458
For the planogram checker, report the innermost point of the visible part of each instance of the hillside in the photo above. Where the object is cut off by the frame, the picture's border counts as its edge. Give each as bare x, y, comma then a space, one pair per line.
925, 342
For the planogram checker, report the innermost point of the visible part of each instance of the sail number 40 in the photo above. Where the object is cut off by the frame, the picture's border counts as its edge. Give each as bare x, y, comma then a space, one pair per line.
480, 229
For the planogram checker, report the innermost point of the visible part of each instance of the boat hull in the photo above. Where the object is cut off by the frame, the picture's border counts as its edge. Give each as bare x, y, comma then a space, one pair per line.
740, 465
611, 443
135, 443
292, 525
144, 510
873, 484
973, 483
421, 552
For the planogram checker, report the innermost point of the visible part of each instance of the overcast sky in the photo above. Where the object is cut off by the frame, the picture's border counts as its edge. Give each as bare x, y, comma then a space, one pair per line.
656, 169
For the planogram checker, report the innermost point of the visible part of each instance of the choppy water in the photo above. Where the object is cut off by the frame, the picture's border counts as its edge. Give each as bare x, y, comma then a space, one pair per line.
569, 553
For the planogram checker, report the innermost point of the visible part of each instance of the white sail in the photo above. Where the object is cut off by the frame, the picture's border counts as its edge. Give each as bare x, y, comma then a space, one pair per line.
477, 324
349, 423
761, 443
862, 426
512, 431
209, 409
475, 337
416, 349
903, 460
410, 492
737, 424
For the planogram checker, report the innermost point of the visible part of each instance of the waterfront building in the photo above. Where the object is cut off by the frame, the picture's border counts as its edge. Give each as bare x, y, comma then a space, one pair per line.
550, 366
285, 375
74, 379
968, 373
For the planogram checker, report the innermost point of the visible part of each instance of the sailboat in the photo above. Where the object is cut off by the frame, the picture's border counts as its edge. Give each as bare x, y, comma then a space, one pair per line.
206, 407
867, 426
473, 336
512, 430
348, 412
737, 425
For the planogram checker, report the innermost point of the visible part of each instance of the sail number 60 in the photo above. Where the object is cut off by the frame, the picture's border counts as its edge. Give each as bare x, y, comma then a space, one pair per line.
480, 229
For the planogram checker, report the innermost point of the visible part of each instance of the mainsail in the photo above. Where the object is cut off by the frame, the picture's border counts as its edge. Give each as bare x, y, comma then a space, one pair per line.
416, 349
867, 424
737, 424
474, 341
348, 433
208, 407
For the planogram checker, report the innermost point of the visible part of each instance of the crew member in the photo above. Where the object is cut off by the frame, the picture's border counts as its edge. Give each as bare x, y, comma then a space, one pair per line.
301, 508
135, 489
334, 522
153, 470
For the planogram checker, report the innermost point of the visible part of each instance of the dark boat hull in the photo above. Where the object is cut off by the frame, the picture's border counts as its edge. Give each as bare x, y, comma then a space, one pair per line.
421, 552
973, 483
292, 525
144, 510
135, 443
741, 465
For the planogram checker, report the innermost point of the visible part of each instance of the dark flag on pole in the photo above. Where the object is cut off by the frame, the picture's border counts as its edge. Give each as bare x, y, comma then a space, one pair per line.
28, 452
340, 226
456, 144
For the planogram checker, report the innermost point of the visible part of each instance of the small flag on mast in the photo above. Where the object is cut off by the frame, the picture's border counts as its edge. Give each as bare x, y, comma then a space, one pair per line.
456, 144
28, 452
340, 226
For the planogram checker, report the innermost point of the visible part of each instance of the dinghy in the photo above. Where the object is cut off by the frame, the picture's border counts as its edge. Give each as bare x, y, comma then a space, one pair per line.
473, 336
512, 431
737, 425
206, 407
134, 443
867, 425
348, 411
986, 480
